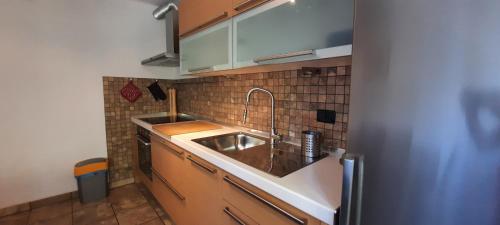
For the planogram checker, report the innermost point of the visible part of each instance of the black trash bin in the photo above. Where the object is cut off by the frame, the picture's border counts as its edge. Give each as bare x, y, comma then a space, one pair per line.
92, 178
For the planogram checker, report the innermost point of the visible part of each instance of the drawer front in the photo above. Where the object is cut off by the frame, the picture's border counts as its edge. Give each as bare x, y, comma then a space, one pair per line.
260, 206
174, 204
203, 191
168, 160
233, 216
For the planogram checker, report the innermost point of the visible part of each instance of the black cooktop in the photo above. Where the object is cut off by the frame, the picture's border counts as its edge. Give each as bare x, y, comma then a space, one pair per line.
167, 119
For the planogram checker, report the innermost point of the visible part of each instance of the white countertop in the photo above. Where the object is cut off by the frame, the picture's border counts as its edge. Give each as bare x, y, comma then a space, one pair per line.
315, 189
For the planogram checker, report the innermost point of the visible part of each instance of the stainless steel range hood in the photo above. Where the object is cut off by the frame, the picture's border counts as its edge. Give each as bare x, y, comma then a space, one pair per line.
170, 57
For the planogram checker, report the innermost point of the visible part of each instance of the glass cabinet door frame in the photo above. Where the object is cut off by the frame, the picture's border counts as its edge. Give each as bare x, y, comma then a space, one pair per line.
201, 34
306, 54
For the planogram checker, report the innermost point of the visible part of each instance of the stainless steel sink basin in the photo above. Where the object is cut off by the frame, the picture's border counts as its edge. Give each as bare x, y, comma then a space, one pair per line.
255, 151
231, 142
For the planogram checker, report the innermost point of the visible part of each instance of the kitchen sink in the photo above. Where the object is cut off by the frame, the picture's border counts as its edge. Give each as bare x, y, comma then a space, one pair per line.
230, 142
255, 151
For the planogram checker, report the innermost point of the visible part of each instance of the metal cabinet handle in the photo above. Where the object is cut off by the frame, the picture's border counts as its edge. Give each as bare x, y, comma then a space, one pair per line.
244, 4
266, 202
234, 217
208, 68
211, 170
284, 55
178, 153
214, 20
142, 140
168, 185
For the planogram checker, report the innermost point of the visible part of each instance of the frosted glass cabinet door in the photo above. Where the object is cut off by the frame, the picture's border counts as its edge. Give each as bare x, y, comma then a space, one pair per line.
287, 31
208, 50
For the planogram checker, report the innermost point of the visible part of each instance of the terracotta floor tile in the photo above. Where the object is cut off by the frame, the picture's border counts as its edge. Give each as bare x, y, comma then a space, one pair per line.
154, 222
59, 220
55, 214
126, 197
134, 216
78, 205
108, 221
92, 215
16, 219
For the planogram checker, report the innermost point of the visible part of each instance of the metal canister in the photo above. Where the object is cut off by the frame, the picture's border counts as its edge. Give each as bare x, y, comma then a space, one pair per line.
311, 143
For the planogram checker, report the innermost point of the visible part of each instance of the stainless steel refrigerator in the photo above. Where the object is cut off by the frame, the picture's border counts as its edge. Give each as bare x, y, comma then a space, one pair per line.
425, 111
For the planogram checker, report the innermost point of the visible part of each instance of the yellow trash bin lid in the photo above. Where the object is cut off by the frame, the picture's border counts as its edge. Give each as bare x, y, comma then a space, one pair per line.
90, 166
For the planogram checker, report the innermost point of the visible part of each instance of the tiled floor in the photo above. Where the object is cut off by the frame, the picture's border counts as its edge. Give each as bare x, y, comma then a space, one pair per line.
127, 205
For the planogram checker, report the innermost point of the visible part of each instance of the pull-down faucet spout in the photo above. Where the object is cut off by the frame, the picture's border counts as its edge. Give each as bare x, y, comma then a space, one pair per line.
274, 132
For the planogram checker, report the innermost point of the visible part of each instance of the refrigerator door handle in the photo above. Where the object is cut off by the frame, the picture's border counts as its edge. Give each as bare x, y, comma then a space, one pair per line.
352, 188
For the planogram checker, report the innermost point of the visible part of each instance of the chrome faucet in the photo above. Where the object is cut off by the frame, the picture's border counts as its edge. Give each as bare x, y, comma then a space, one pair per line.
275, 137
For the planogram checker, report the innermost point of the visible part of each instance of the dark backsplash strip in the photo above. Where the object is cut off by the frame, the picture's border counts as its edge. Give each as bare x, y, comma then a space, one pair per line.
118, 112
298, 96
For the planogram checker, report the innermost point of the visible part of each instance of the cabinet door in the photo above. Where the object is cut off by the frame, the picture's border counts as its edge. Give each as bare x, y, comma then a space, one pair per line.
168, 161
260, 206
287, 31
208, 50
195, 15
204, 191
170, 199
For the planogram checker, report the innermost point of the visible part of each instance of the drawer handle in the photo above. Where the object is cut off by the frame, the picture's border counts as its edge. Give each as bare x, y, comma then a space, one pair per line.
214, 20
266, 202
283, 56
168, 185
211, 170
244, 4
143, 141
234, 217
199, 69
178, 153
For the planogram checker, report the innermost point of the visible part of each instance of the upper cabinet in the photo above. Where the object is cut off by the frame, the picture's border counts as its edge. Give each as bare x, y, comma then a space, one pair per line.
227, 34
240, 6
195, 15
286, 31
207, 50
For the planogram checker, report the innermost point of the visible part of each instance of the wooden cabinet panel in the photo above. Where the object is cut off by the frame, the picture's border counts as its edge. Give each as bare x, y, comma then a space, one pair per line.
168, 161
233, 216
194, 15
203, 192
195, 192
240, 6
174, 204
260, 206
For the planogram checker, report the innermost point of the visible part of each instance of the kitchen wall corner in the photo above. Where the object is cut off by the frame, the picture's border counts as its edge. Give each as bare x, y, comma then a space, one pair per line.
118, 112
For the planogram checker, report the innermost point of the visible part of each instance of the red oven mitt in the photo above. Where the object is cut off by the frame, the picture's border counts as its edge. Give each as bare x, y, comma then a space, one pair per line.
131, 92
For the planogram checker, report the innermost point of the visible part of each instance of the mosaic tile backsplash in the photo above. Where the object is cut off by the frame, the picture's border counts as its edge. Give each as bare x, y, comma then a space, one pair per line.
221, 98
118, 112
297, 97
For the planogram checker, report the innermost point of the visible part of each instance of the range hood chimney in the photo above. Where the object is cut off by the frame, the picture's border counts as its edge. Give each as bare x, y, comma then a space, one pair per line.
170, 57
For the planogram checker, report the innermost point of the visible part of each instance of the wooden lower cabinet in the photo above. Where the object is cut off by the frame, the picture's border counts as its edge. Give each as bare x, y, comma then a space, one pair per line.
260, 206
195, 192
167, 159
203, 191
231, 215
171, 200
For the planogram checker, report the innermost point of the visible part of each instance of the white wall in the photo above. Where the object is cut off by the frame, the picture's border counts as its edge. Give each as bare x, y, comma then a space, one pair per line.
53, 54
